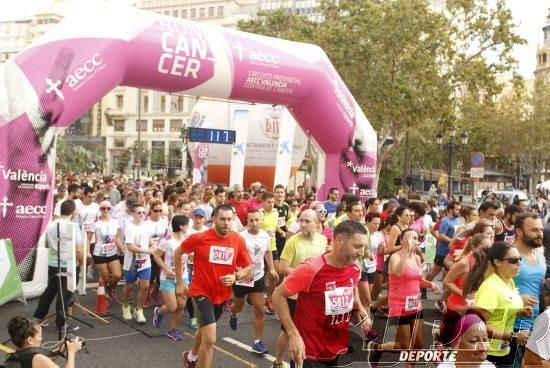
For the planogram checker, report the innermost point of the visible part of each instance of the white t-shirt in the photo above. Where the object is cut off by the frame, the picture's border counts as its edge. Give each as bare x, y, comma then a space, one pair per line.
105, 232
191, 231
447, 364
119, 209
257, 245
158, 229
169, 246
86, 215
375, 240
539, 340
139, 236
57, 209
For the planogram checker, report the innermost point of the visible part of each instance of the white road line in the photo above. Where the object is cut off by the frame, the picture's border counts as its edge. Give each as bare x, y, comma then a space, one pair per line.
271, 358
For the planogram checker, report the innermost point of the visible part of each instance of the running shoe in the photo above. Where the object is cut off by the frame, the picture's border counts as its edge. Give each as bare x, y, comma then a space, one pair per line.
234, 322
111, 295
138, 315
372, 334
268, 307
278, 365
194, 324
373, 355
127, 313
259, 348
186, 362
442, 306
157, 318
174, 334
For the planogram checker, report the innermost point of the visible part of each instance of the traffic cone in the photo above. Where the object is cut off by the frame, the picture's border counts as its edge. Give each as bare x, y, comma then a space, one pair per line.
101, 306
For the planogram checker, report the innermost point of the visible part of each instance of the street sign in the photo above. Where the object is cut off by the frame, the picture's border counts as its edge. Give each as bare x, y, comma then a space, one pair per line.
478, 159
477, 172
205, 135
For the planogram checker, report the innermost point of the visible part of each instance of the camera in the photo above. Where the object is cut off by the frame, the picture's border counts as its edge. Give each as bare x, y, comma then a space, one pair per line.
76, 338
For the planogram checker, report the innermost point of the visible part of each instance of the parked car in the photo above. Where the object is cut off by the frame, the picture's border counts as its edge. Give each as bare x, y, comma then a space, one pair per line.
506, 197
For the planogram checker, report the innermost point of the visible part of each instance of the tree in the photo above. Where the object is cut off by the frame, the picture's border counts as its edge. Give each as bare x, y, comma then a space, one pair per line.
76, 159
135, 152
406, 65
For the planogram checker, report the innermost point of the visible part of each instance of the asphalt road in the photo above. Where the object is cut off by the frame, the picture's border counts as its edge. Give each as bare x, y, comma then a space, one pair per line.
122, 344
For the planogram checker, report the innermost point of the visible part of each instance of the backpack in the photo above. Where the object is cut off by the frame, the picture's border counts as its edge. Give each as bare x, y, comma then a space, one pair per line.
14, 360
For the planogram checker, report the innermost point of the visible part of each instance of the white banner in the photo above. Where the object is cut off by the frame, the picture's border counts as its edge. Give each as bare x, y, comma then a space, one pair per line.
283, 164
477, 172
238, 154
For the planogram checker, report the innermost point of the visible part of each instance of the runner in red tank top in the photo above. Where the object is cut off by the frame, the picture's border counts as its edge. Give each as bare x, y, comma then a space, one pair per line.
327, 288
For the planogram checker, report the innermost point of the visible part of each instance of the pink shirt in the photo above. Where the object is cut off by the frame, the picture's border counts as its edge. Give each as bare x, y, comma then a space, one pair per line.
404, 294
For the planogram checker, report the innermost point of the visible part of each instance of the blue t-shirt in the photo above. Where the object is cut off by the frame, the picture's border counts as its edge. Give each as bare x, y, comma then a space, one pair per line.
528, 282
447, 227
330, 207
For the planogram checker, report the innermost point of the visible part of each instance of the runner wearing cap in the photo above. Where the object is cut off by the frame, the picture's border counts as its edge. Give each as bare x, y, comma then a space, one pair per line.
221, 259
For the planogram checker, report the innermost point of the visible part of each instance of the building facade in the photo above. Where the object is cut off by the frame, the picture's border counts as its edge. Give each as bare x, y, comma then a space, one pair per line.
543, 52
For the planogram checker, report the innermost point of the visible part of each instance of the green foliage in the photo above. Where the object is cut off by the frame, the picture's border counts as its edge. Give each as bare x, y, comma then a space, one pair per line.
407, 65
135, 152
76, 159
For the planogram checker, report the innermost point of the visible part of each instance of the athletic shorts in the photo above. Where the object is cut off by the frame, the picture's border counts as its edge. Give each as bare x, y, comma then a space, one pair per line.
291, 308
104, 260
170, 285
440, 261
240, 291
276, 255
367, 277
406, 320
206, 312
132, 276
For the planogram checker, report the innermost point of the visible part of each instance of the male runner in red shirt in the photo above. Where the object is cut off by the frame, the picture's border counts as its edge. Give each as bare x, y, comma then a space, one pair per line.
327, 289
217, 254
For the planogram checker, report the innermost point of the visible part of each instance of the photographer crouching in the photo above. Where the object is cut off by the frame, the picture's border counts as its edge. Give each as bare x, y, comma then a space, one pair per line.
27, 337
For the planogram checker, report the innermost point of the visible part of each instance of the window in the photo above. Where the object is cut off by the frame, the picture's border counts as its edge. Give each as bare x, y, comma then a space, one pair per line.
119, 125
220, 11
158, 157
193, 13
175, 125
142, 126
158, 125
162, 103
119, 143
175, 13
211, 11
145, 103
202, 12
174, 157
184, 13
119, 101
167, 12
177, 104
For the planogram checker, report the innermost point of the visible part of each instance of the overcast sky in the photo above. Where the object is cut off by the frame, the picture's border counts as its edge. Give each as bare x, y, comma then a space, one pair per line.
529, 15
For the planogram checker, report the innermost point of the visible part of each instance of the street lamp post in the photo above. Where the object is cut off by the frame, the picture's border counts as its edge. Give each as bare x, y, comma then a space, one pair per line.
450, 151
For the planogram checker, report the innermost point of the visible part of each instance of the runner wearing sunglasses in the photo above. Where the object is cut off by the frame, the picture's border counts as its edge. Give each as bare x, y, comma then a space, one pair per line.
105, 250
158, 228
498, 300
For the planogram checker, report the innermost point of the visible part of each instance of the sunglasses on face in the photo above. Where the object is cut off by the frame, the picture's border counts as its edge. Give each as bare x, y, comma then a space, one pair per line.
512, 260
158, 211
321, 212
105, 208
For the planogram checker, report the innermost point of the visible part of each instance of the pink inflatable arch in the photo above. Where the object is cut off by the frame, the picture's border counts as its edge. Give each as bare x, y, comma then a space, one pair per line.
60, 76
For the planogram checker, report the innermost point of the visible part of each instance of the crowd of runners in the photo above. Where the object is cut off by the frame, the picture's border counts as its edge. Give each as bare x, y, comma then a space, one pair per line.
322, 267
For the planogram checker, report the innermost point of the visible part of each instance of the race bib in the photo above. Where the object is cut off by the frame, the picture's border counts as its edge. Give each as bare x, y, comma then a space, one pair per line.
370, 265
248, 282
221, 255
339, 301
281, 223
412, 303
108, 248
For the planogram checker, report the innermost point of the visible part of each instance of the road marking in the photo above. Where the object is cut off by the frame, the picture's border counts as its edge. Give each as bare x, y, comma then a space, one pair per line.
228, 353
271, 358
